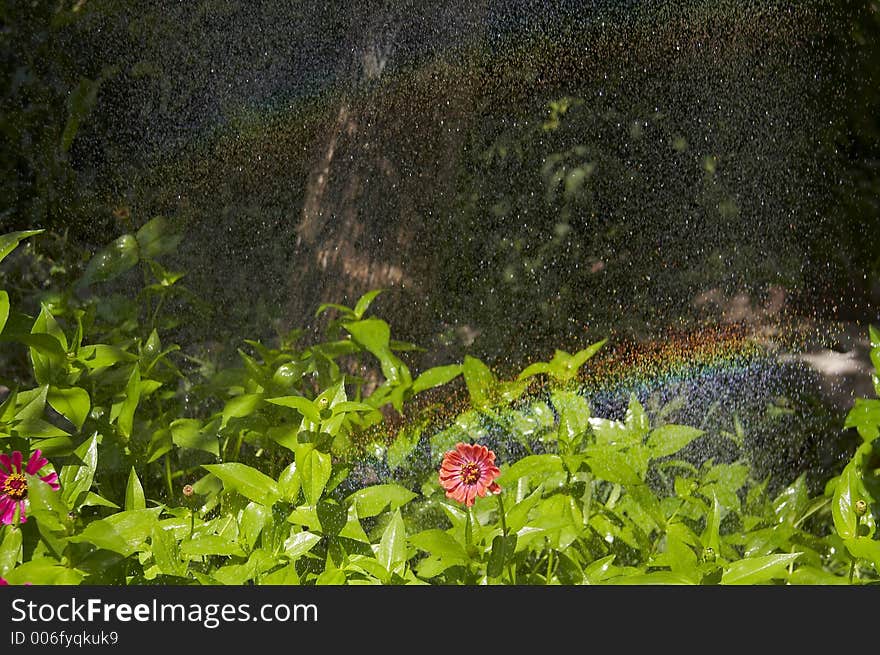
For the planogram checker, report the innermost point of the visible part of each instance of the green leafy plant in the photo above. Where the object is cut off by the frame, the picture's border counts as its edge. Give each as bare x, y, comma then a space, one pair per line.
166, 467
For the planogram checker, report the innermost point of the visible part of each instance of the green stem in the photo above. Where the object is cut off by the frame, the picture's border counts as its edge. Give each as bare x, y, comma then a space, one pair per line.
549, 565
501, 512
238, 441
168, 477
467, 531
852, 564
156, 311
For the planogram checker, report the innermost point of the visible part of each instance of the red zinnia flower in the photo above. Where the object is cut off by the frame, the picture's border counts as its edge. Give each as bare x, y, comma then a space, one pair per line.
13, 483
469, 471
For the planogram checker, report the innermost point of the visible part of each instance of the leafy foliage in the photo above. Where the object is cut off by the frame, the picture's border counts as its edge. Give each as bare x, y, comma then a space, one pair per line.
174, 469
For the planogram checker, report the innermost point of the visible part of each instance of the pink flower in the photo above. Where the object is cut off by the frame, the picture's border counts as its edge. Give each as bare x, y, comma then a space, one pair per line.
13, 483
3, 583
469, 471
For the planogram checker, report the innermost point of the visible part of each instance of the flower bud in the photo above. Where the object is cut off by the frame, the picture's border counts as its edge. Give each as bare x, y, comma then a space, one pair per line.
708, 554
861, 507
188, 490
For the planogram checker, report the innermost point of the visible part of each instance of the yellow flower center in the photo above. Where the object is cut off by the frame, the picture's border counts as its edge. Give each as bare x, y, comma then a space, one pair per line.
15, 486
470, 473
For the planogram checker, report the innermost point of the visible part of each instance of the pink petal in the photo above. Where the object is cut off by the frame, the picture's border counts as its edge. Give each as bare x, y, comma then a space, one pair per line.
7, 512
22, 516
6, 463
36, 462
16, 461
471, 495
3, 583
52, 480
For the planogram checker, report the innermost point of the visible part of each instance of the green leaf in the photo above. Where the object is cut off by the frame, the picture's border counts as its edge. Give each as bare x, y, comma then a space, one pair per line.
332, 517
599, 570
188, 433
440, 544
535, 369
392, 547
636, 418
437, 376
574, 413
9, 241
210, 544
612, 433
373, 500
364, 302
299, 543
347, 312
653, 578
160, 443
792, 501
249, 482
533, 466
125, 420
112, 261
76, 479
80, 104
123, 532
50, 364
480, 381
134, 492
846, 493
301, 404
582, 356
166, 552
865, 548
865, 417
239, 406
45, 504
756, 570
4, 309
157, 237
810, 575
101, 355
518, 515
669, 439
44, 571
10, 550
502, 552
94, 500
404, 443
563, 367
611, 465
72, 403
374, 335
315, 471
711, 536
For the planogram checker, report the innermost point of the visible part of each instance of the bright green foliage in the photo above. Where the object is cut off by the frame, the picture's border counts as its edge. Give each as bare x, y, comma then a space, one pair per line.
267, 448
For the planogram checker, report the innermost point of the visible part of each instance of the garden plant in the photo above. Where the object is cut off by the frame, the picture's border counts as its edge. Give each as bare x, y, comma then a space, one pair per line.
126, 461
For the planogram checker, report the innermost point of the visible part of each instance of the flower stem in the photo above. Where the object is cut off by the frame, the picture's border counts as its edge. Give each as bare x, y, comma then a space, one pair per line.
510, 574
852, 564
168, 477
501, 513
467, 530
